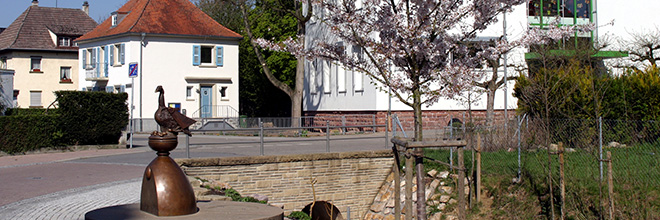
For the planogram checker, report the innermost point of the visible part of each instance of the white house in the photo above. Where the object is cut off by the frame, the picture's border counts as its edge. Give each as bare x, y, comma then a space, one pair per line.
174, 44
333, 90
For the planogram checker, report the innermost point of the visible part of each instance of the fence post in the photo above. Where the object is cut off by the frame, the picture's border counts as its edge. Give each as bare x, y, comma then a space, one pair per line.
397, 189
562, 184
461, 184
261, 137
387, 131
600, 145
343, 124
478, 176
409, 184
327, 136
610, 183
373, 120
451, 149
519, 131
187, 146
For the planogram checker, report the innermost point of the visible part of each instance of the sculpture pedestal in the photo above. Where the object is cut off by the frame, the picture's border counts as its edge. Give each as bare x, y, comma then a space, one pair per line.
165, 188
222, 210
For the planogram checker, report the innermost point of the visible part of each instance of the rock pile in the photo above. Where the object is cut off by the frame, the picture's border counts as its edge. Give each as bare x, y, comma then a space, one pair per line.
440, 195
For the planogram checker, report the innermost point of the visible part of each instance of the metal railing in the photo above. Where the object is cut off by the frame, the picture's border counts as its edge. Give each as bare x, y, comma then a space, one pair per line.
326, 131
215, 111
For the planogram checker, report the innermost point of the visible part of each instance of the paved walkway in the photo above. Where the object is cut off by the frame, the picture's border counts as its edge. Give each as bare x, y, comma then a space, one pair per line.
43, 186
74, 203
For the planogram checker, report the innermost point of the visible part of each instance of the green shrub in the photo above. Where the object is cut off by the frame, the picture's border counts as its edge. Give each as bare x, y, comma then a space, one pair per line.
297, 215
92, 117
29, 132
30, 111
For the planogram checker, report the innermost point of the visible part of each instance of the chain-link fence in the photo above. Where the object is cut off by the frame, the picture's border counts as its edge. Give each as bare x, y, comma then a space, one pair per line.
528, 150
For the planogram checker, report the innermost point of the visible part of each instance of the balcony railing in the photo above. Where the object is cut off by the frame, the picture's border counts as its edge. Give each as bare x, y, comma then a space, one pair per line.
92, 73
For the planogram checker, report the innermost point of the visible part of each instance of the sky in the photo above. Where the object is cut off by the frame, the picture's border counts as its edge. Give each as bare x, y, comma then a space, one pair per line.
628, 15
98, 9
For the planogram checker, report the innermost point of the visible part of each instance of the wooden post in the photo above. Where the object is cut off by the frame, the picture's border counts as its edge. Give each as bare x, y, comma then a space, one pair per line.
478, 177
409, 182
397, 192
562, 185
421, 187
610, 183
461, 184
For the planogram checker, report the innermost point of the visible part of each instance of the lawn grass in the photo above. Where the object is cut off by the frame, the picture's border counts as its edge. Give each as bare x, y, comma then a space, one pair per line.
636, 175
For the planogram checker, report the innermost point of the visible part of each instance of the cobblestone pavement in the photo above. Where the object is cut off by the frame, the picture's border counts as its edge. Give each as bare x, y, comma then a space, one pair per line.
74, 203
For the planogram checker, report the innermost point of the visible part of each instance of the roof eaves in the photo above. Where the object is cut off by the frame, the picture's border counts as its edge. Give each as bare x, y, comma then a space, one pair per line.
159, 35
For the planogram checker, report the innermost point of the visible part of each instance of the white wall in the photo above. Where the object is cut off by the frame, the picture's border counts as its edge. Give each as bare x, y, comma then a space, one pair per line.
167, 61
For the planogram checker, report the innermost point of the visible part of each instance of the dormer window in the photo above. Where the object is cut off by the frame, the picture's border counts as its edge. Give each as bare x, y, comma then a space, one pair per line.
114, 19
63, 41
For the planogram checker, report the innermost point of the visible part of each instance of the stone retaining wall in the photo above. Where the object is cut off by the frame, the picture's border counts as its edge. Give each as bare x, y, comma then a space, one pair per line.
346, 179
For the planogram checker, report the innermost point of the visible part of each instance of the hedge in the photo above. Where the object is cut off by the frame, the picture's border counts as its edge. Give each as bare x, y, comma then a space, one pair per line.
29, 132
92, 117
82, 118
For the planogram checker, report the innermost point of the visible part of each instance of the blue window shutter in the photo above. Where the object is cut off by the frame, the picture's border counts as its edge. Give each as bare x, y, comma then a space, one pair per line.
109, 89
98, 61
84, 58
196, 52
122, 88
105, 60
122, 54
112, 55
219, 58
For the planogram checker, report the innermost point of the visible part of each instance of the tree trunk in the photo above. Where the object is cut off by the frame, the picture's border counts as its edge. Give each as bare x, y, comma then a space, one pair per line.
490, 105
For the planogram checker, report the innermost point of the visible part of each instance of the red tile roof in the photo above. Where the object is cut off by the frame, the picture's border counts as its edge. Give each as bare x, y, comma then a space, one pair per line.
167, 17
31, 29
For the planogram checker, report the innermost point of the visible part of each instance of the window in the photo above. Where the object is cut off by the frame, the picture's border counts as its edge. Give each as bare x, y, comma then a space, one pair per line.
3, 62
35, 99
65, 74
117, 54
35, 64
114, 19
204, 55
189, 92
326, 76
312, 77
223, 92
64, 41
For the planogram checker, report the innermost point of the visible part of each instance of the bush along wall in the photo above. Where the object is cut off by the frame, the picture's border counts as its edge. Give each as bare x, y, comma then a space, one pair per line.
29, 132
92, 117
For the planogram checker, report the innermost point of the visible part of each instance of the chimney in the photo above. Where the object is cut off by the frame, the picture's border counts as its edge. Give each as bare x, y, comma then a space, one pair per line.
35, 2
85, 7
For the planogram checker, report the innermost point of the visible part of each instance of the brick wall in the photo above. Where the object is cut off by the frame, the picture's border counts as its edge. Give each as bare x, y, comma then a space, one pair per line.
432, 119
346, 179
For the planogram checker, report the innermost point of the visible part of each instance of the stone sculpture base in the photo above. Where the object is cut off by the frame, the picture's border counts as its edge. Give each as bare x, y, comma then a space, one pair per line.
222, 210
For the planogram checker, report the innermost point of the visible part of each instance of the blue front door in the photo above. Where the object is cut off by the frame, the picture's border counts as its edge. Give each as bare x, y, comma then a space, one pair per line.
205, 104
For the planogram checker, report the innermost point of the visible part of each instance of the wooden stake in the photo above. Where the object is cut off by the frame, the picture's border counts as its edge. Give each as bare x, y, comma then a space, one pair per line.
461, 184
409, 182
421, 187
478, 177
397, 192
610, 183
562, 185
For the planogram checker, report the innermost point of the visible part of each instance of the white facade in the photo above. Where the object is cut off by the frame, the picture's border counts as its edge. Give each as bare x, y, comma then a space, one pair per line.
323, 90
181, 64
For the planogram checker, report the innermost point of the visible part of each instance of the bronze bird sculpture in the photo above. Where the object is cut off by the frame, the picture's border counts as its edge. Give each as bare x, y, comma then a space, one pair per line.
170, 119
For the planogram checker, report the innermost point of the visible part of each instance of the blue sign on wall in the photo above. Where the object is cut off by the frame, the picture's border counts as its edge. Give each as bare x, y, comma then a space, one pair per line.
132, 70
